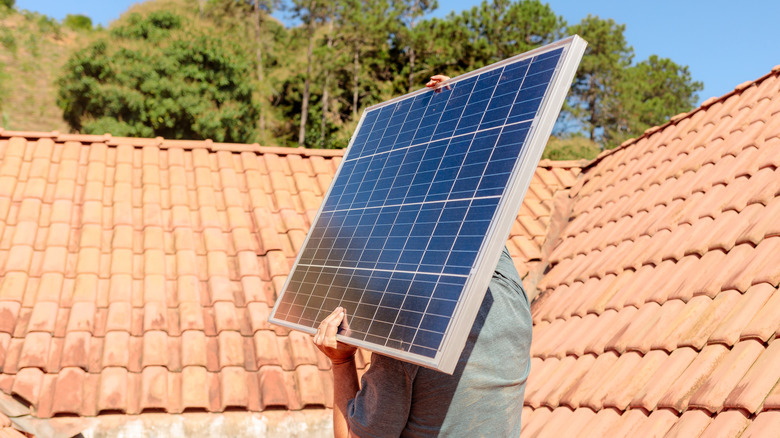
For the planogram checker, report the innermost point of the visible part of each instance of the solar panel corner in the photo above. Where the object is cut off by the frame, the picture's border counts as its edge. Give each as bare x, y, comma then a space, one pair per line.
409, 233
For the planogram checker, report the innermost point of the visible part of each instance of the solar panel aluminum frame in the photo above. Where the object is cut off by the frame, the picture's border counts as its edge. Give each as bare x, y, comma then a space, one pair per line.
510, 202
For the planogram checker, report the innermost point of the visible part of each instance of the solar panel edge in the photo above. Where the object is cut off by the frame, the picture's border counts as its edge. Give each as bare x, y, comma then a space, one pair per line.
418, 359
512, 201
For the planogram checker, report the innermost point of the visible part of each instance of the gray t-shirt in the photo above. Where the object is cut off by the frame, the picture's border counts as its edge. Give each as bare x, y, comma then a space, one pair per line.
483, 397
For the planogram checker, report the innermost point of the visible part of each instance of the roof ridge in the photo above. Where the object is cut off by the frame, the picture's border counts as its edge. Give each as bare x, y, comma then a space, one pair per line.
581, 163
210, 145
163, 143
682, 116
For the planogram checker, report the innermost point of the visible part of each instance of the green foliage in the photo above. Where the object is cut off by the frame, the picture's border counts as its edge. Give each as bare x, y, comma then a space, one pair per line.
155, 77
381, 52
48, 24
571, 148
77, 22
657, 89
8, 40
615, 100
410, 39
153, 27
248, 24
498, 29
601, 70
32, 48
7, 3
227, 70
4, 77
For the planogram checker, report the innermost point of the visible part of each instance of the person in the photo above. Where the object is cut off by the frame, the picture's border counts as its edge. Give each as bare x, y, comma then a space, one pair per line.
483, 397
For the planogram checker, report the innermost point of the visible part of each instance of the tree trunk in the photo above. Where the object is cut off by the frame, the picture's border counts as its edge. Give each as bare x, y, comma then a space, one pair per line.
355, 82
411, 68
325, 94
260, 78
412, 55
592, 108
306, 84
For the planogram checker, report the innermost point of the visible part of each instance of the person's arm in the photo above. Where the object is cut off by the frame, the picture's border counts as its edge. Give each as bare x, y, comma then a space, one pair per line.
345, 380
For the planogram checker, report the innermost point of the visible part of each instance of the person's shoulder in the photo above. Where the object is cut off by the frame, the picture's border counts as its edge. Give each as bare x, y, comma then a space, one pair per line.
505, 262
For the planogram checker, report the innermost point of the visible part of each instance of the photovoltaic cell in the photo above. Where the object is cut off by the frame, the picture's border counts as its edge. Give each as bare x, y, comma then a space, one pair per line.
411, 229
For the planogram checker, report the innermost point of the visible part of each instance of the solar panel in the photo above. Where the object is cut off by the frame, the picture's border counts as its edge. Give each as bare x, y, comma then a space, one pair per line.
411, 229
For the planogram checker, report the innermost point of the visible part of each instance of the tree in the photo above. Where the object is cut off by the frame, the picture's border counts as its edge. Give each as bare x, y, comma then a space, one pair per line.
614, 100
658, 89
77, 22
154, 76
365, 36
310, 13
8, 3
409, 37
261, 9
249, 21
606, 58
498, 29
438, 49
326, 55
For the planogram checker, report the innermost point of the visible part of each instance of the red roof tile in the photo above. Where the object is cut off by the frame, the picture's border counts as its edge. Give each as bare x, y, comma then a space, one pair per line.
138, 274
657, 267
665, 280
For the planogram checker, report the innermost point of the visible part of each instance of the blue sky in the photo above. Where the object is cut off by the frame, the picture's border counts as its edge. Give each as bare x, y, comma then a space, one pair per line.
724, 43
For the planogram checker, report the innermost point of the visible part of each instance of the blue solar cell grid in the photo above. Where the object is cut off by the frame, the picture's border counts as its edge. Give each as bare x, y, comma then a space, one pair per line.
401, 227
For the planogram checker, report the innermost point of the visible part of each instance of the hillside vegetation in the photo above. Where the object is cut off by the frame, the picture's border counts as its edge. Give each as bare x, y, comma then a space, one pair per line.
33, 49
228, 70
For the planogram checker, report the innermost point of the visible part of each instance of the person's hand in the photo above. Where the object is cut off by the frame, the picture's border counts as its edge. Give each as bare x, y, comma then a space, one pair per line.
436, 80
325, 338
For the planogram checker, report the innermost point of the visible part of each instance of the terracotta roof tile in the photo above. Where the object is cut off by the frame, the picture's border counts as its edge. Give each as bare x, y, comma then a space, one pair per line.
155, 348
27, 384
556, 423
554, 372
69, 391
577, 422
623, 370
766, 322
629, 424
154, 388
533, 425
729, 330
714, 390
754, 387
691, 424
658, 276
726, 424
231, 349
9, 310
35, 350
601, 422
275, 391
580, 392
679, 392
765, 424
762, 226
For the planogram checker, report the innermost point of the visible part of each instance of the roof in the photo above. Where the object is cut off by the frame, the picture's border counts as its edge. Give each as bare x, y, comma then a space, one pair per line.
138, 274
660, 312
